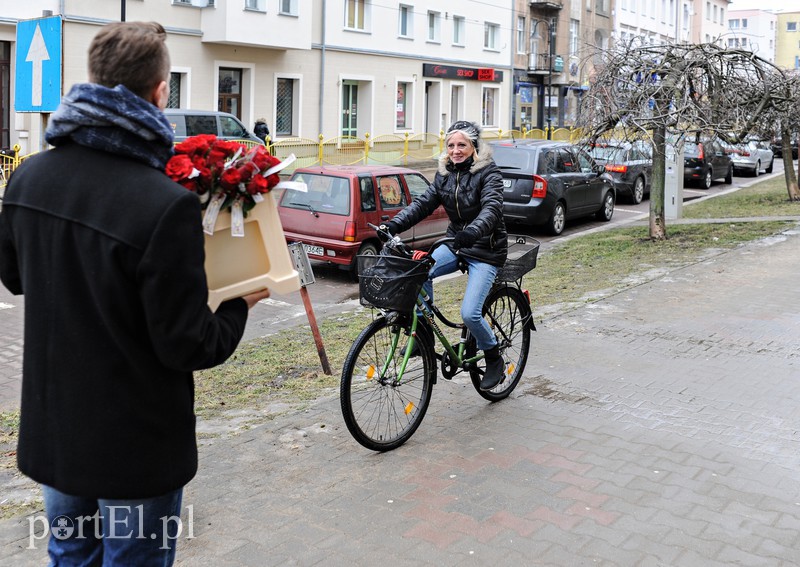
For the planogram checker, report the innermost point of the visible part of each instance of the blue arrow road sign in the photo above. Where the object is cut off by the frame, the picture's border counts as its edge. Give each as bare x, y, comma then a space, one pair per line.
38, 65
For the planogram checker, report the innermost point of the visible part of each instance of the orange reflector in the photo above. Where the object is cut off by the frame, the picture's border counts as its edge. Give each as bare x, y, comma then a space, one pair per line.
510, 369
370, 372
409, 408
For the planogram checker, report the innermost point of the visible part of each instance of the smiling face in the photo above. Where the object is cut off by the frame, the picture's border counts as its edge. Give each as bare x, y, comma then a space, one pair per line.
459, 148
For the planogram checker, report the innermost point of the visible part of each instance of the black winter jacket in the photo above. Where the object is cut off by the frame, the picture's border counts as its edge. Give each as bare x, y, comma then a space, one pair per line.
473, 199
115, 322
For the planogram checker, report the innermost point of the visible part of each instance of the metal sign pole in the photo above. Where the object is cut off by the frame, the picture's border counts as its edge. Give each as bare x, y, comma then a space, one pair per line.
303, 267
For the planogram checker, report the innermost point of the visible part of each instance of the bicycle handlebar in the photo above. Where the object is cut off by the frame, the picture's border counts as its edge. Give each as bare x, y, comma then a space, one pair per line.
396, 243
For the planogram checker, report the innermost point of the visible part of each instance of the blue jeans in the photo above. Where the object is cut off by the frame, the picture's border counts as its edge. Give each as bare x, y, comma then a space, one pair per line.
479, 283
100, 532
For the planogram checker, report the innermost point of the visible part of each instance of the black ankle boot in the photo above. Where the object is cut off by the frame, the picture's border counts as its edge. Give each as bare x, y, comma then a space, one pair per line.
495, 367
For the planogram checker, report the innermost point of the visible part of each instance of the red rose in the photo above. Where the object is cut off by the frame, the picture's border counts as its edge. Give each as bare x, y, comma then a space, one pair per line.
258, 184
179, 167
195, 144
230, 179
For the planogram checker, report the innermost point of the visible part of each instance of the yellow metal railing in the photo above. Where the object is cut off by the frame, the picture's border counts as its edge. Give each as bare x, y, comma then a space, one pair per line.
387, 149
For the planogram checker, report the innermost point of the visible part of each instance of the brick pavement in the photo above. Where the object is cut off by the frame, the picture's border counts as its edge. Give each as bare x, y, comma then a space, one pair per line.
656, 426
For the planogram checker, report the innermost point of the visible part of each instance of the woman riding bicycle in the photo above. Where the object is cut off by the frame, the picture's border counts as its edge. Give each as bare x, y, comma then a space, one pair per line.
469, 186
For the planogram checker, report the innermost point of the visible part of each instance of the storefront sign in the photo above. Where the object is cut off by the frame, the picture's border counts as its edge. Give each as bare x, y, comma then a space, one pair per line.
463, 73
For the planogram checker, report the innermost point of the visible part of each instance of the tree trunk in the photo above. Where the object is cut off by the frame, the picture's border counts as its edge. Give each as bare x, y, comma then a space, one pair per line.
788, 165
658, 228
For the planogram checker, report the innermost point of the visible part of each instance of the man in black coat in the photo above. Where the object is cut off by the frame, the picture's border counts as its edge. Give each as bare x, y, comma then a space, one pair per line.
108, 253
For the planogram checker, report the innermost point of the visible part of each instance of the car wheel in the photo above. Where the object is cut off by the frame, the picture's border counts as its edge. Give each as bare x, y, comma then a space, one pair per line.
637, 194
367, 249
607, 209
707, 179
557, 220
757, 169
729, 175
769, 167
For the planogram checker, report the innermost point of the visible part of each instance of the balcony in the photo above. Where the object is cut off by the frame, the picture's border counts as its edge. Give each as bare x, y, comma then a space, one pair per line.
239, 23
539, 63
546, 4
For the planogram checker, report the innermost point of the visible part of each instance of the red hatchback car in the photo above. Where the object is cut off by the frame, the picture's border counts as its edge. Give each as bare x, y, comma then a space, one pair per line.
331, 217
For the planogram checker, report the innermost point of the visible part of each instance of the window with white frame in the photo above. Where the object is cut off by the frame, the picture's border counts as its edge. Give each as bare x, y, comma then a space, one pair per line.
490, 100
402, 110
521, 43
791, 26
434, 25
574, 36
287, 94
288, 7
255, 5
356, 16
175, 90
405, 21
491, 35
459, 29
733, 24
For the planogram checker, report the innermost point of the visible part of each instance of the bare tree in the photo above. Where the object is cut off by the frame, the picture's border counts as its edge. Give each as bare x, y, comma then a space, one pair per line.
664, 93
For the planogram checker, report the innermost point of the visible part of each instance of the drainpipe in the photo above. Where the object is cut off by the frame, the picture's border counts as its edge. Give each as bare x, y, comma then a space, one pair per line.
512, 56
322, 71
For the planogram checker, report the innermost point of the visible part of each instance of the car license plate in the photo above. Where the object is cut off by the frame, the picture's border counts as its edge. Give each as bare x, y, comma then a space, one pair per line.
506, 184
315, 250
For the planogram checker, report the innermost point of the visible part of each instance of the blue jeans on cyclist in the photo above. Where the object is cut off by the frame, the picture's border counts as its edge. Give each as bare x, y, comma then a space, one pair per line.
479, 283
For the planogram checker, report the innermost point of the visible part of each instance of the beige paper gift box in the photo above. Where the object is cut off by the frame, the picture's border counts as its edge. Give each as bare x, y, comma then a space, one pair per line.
236, 266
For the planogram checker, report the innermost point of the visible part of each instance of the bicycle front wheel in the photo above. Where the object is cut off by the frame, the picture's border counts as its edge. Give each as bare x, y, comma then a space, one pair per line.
509, 315
382, 403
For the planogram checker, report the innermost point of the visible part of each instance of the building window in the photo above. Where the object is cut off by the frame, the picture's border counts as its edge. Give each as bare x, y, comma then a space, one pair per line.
624, 5
491, 34
255, 5
288, 7
733, 24
230, 91
174, 98
574, 36
285, 108
490, 99
355, 14
791, 26
402, 115
434, 23
406, 21
521, 34
458, 30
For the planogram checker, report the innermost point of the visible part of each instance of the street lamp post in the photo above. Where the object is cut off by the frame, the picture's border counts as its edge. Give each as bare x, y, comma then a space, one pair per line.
551, 30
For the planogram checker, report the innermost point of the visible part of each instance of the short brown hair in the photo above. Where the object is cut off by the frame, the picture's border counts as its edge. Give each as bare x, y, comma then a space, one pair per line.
133, 54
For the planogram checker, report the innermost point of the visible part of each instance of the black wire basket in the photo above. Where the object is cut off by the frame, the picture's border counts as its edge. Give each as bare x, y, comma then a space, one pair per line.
391, 282
522, 254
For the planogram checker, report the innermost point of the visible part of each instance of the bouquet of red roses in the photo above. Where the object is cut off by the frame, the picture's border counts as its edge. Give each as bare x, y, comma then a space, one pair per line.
225, 175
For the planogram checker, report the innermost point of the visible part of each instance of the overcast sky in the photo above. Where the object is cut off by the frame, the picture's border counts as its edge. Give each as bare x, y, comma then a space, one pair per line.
785, 5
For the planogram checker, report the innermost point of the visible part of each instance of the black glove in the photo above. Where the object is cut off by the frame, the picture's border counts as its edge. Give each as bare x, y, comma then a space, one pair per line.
387, 231
464, 239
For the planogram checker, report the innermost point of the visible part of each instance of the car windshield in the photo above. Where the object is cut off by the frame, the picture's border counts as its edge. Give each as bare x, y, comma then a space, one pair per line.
325, 194
507, 157
613, 154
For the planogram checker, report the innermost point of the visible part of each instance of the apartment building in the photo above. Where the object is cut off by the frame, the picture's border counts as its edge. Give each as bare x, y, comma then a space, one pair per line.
753, 30
311, 68
787, 40
709, 21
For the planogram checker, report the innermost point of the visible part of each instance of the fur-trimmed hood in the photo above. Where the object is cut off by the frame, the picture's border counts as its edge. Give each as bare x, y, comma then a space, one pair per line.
483, 156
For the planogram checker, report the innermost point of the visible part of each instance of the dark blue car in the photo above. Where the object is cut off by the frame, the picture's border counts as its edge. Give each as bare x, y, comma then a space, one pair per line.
630, 164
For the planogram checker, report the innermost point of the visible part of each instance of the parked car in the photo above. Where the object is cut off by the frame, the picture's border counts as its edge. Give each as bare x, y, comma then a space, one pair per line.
704, 161
546, 183
777, 146
630, 165
226, 126
750, 157
331, 217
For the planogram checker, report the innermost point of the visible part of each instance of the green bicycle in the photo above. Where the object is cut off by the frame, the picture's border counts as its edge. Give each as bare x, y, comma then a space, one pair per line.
389, 373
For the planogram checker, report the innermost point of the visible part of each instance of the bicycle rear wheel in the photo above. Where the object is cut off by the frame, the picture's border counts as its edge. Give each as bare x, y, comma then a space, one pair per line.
509, 315
382, 408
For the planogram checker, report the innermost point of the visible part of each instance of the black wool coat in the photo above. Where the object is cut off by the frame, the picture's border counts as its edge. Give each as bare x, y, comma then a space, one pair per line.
108, 253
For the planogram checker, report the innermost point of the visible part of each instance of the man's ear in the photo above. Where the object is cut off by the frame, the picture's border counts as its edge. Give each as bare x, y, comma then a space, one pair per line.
160, 95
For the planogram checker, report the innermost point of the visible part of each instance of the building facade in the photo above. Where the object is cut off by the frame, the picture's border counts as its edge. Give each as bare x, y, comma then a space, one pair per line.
753, 30
787, 40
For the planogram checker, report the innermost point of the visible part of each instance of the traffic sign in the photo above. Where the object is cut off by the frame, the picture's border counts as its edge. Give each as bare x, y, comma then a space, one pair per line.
38, 65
